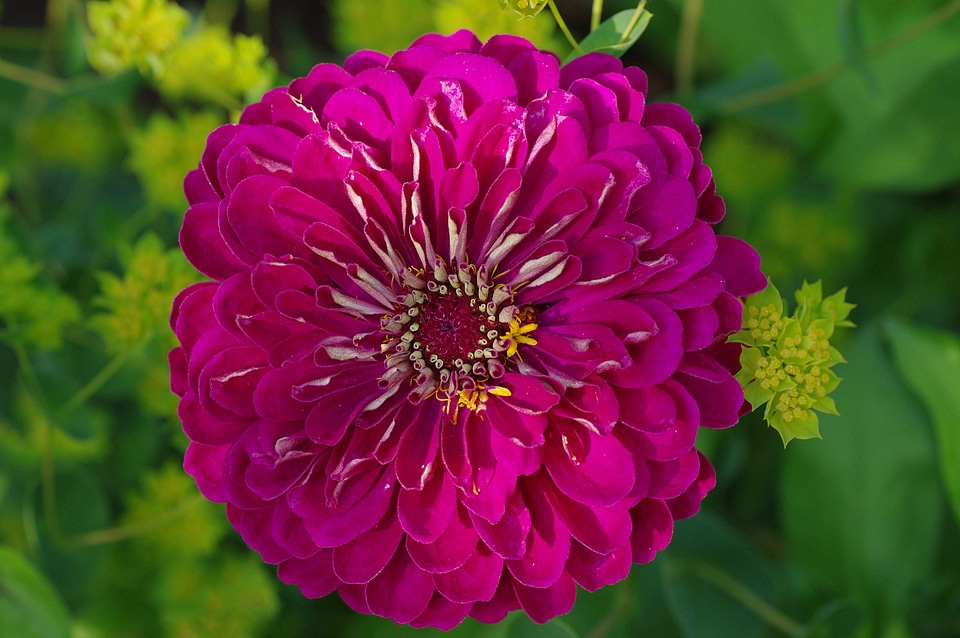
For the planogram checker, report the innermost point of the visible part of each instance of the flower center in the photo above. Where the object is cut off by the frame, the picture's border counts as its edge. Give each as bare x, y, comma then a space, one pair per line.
452, 334
453, 328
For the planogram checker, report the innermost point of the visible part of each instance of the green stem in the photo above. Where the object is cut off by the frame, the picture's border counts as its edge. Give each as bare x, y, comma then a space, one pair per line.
31, 78
637, 14
763, 610
595, 14
93, 385
687, 45
115, 534
258, 18
47, 483
563, 27
798, 86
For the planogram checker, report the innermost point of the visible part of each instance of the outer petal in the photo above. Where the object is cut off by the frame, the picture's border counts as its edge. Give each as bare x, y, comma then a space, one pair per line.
477, 579
401, 591
313, 575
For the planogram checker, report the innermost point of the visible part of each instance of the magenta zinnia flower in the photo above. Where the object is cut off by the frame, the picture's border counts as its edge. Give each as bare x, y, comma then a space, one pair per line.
468, 311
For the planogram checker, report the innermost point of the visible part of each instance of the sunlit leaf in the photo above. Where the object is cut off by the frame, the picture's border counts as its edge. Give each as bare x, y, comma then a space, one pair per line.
616, 34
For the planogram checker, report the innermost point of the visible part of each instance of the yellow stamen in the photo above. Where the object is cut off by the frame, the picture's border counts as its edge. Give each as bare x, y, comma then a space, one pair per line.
517, 334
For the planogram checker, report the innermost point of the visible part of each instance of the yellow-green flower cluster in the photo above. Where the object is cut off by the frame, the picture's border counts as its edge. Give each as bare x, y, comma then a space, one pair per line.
211, 65
486, 21
401, 21
128, 33
788, 364
33, 312
164, 150
195, 61
523, 8
177, 523
229, 596
137, 306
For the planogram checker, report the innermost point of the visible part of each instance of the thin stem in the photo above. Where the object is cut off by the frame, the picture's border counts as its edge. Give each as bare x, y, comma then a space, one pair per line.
93, 384
32, 78
563, 27
798, 86
687, 45
47, 483
764, 610
48, 492
634, 19
115, 534
258, 18
595, 14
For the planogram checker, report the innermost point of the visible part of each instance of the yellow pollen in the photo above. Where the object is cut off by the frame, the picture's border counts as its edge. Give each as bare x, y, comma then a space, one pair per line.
518, 334
475, 400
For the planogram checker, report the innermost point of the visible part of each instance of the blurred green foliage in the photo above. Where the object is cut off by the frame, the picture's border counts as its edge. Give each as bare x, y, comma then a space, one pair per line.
833, 131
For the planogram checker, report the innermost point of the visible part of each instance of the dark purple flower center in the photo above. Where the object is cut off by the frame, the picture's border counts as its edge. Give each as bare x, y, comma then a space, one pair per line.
453, 328
452, 333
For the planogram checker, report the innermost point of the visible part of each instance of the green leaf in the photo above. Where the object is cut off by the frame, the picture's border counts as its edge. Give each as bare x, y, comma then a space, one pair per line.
929, 361
862, 508
616, 34
29, 606
717, 584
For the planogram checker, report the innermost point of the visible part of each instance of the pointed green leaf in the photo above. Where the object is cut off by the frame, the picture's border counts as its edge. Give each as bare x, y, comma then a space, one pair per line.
929, 361
616, 34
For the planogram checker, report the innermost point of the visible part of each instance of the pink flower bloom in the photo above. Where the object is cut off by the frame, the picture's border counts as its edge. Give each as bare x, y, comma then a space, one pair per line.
468, 311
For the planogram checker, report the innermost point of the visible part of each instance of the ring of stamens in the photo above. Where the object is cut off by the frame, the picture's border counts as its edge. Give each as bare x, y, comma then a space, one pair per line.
452, 332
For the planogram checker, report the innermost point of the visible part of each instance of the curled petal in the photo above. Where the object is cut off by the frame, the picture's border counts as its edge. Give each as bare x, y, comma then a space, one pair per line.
589, 468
